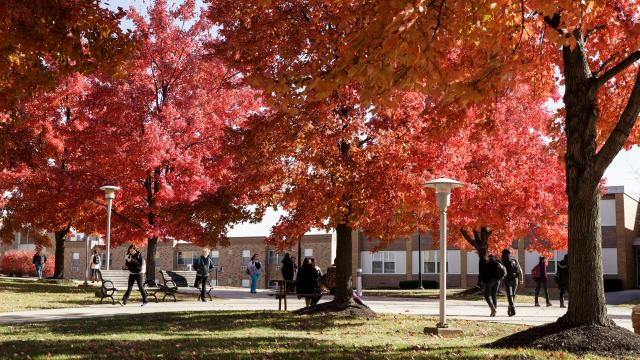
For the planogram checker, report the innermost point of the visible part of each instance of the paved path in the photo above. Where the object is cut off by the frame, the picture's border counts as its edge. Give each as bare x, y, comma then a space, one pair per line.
622, 297
240, 299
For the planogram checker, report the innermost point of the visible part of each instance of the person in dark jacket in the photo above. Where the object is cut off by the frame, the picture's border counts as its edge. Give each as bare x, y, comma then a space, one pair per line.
562, 278
511, 280
203, 265
287, 268
135, 264
539, 275
39, 260
491, 282
307, 281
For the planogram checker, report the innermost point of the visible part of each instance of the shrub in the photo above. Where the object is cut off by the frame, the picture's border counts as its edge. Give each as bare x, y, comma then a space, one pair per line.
19, 263
413, 284
611, 285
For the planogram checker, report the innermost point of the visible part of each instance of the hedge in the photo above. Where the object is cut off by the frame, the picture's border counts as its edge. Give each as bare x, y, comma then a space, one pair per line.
20, 263
413, 284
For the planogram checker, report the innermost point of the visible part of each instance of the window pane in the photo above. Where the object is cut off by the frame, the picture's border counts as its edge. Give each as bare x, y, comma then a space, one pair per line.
308, 252
376, 267
389, 267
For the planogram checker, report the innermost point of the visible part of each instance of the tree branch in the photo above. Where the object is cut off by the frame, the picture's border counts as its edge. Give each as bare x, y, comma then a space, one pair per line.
119, 215
621, 66
621, 132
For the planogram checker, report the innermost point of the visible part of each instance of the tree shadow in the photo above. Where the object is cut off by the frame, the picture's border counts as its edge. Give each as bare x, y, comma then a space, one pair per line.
202, 321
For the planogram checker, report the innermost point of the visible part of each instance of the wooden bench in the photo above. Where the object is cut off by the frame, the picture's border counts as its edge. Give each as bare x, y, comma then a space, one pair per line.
174, 280
118, 280
284, 290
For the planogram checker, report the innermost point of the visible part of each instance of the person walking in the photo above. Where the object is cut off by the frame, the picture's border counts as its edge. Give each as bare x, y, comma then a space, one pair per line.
539, 275
562, 278
491, 280
511, 280
95, 265
287, 268
254, 268
135, 264
39, 260
318, 278
203, 265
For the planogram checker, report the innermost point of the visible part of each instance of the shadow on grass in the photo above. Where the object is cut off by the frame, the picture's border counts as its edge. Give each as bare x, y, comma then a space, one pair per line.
33, 287
211, 346
217, 321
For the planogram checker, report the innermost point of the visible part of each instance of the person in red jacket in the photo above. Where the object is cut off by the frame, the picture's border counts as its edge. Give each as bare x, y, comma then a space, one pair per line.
539, 275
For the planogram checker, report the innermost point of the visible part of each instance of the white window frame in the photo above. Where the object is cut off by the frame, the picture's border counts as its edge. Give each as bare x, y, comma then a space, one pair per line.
75, 261
384, 258
308, 253
245, 283
430, 257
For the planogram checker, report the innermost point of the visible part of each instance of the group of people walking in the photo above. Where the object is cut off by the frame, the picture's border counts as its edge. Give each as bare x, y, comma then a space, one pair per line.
310, 280
508, 271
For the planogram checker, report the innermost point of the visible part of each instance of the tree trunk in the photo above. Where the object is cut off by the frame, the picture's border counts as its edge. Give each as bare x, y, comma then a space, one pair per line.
587, 304
152, 245
344, 285
480, 242
58, 272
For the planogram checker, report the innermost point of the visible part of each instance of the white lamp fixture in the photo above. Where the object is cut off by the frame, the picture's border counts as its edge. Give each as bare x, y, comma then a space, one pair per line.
109, 195
443, 188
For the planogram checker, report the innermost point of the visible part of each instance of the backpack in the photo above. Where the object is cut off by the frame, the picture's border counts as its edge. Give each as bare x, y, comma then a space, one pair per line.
258, 265
96, 259
501, 271
536, 273
512, 268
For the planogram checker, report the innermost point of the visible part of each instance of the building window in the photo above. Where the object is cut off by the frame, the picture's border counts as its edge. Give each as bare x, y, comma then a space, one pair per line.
552, 263
431, 262
246, 257
25, 238
308, 253
274, 257
383, 262
75, 262
186, 257
245, 283
273, 284
215, 257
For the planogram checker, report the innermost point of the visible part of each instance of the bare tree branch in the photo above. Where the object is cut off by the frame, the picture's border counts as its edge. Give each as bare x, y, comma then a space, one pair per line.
621, 66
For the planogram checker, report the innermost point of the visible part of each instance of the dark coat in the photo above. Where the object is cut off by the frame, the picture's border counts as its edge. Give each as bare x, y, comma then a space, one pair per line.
39, 259
489, 270
308, 280
134, 263
287, 269
562, 276
203, 265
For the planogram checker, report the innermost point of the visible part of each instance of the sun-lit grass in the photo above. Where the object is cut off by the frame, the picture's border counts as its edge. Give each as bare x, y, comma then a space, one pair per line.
21, 294
250, 334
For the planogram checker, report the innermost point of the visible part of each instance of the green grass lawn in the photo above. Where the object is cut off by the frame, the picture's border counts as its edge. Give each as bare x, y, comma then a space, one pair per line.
20, 295
524, 295
257, 335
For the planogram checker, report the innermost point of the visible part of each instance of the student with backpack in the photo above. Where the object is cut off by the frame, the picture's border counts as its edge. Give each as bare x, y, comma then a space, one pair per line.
539, 275
96, 262
135, 264
494, 271
203, 265
511, 280
39, 260
253, 268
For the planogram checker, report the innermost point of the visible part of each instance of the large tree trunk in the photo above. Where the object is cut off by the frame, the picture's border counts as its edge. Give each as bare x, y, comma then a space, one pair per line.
587, 305
344, 285
60, 237
152, 246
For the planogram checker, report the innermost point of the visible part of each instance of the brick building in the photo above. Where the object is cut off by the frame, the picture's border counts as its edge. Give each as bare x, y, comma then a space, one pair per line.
231, 260
399, 261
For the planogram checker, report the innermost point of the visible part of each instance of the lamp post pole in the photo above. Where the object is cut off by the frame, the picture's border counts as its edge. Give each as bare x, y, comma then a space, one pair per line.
443, 188
109, 195
420, 261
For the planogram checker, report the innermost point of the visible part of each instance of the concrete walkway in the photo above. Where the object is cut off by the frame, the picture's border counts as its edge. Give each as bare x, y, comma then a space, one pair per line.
622, 297
240, 299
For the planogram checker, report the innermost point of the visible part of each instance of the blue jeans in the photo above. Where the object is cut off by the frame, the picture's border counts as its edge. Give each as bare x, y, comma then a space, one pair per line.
39, 271
254, 281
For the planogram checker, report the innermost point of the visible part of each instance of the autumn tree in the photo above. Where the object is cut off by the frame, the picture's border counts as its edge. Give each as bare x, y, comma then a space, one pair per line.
46, 191
156, 132
43, 41
466, 51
